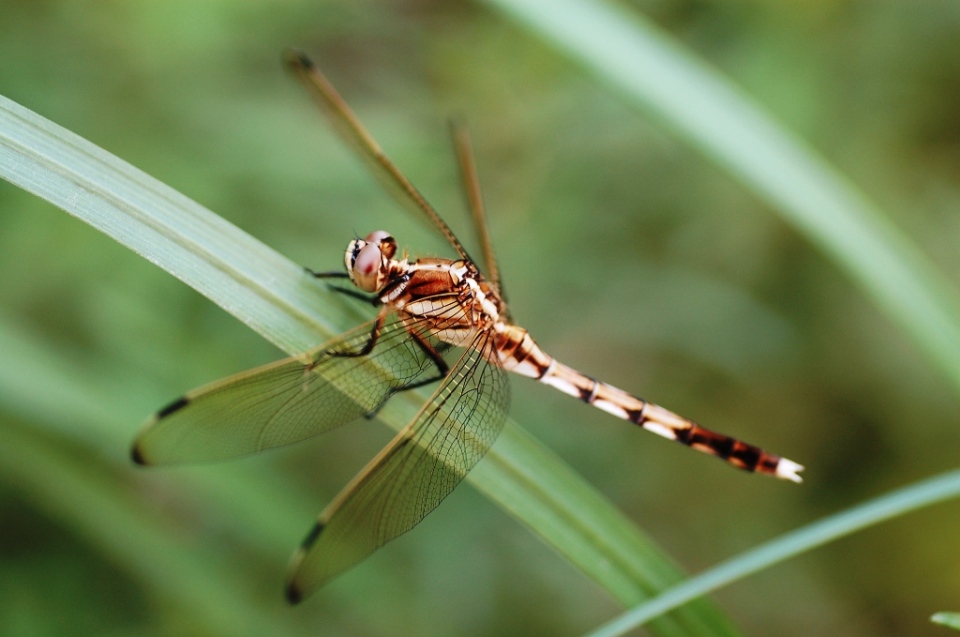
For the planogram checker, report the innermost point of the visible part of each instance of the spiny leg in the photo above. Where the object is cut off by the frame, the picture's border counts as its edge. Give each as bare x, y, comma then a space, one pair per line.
372, 299
333, 274
363, 351
435, 357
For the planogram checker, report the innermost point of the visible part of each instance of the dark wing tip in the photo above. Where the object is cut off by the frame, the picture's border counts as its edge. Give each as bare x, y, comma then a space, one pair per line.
293, 593
137, 456
312, 536
297, 59
137, 453
175, 406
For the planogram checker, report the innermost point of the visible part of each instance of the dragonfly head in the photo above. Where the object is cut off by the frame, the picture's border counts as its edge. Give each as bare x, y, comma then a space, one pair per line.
368, 260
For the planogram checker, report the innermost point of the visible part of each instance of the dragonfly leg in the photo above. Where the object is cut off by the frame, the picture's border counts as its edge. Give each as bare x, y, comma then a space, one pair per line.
435, 357
372, 299
363, 351
335, 274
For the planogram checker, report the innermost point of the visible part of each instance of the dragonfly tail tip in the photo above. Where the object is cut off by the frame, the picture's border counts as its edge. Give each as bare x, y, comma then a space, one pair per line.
789, 470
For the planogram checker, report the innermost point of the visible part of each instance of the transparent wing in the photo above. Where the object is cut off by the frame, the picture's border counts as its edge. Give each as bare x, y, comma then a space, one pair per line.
346, 123
412, 475
293, 399
474, 198
471, 189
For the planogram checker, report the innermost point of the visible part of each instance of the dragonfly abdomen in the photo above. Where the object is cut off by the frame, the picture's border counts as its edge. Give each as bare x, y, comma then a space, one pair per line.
520, 354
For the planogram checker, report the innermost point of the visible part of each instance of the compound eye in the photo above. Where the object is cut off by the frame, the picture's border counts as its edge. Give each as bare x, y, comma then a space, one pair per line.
388, 245
366, 267
377, 236
350, 256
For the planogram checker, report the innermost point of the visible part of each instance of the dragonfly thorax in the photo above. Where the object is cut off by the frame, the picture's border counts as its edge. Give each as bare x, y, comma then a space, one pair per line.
430, 287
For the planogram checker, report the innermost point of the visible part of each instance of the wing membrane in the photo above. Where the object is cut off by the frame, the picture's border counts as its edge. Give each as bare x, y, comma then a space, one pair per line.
474, 197
412, 475
348, 125
290, 400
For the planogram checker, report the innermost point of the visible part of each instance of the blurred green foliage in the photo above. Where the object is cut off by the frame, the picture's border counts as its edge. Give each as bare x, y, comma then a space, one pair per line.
625, 253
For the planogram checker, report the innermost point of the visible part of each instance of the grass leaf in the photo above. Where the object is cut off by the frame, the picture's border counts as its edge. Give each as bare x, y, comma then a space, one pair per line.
274, 297
652, 71
900, 502
950, 620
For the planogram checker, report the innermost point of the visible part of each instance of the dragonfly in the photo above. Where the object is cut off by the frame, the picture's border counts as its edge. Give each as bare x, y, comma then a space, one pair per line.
439, 321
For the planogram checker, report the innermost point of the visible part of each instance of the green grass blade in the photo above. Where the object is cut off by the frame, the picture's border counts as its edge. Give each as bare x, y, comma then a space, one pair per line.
158, 223
272, 295
650, 69
950, 620
900, 502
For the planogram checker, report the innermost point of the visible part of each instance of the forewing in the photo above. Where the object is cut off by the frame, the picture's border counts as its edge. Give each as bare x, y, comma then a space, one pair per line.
348, 125
474, 199
412, 475
287, 401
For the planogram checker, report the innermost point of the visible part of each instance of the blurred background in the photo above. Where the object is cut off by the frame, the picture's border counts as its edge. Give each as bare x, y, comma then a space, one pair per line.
625, 253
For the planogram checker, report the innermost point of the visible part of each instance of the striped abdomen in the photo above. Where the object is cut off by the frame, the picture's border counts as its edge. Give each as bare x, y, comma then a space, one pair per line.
520, 354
